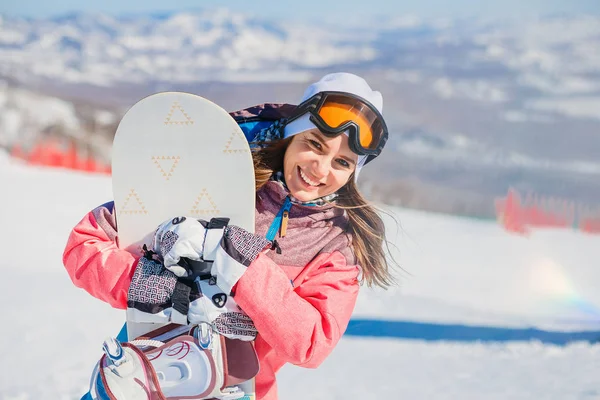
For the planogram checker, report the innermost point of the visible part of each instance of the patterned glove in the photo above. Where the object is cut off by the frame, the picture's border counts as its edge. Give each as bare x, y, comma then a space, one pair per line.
157, 295
212, 253
216, 306
186, 238
237, 251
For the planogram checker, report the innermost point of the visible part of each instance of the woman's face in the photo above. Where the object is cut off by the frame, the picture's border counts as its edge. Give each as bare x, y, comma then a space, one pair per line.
315, 165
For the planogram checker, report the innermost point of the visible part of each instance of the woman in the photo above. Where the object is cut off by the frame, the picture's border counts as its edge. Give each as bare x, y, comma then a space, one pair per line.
327, 238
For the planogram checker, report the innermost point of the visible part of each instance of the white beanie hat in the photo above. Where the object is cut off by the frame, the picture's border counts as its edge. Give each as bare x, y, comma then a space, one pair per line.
336, 82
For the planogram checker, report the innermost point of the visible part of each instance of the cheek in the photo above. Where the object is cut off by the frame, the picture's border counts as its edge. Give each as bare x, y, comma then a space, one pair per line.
290, 159
340, 178
285, 162
295, 155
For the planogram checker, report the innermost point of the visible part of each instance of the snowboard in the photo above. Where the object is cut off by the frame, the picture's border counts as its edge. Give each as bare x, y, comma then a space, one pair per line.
178, 154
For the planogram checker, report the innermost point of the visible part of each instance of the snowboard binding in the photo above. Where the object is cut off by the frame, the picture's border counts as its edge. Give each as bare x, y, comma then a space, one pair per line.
186, 363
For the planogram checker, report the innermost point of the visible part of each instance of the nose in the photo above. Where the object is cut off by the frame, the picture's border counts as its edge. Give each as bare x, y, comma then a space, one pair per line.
321, 167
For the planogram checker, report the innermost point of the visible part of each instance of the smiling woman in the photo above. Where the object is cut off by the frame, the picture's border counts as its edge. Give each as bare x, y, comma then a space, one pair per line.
326, 237
317, 154
306, 168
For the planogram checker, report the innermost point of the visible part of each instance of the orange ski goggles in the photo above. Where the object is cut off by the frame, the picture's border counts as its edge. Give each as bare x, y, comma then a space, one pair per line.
336, 112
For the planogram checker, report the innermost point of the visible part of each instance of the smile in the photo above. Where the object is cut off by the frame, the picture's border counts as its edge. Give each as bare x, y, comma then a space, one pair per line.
306, 179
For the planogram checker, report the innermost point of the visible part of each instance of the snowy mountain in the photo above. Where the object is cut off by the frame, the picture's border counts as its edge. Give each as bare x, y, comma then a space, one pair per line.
555, 55
476, 106
182, 47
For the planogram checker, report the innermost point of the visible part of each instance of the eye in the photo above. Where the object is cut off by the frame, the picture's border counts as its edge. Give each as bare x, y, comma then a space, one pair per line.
343, 163
315, 144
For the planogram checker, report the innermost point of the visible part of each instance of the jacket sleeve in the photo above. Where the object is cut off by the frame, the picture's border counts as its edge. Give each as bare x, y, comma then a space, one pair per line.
93, 260
304, 323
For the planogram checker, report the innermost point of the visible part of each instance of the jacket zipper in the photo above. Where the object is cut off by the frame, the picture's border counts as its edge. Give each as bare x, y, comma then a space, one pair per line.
280, 222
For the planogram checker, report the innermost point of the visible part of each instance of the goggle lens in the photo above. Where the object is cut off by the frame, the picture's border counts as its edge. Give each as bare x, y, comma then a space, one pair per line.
338, 110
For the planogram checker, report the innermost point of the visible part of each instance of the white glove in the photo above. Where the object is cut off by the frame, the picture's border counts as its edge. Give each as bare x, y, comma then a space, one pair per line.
185, 237
238, 249
221, 312
216, 306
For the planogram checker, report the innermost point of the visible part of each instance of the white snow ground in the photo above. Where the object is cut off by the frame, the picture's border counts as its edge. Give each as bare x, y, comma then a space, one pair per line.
462, 272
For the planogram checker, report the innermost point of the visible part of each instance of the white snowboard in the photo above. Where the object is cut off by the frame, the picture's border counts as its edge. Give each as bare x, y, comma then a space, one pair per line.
178, 154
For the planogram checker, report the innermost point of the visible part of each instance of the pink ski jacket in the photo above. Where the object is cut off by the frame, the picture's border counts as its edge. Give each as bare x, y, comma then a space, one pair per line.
300, 300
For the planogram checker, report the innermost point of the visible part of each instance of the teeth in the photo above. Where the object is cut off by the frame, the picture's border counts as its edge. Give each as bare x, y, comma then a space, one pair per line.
305, 178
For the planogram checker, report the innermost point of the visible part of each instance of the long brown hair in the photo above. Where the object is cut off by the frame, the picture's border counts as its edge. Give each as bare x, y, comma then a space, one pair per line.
366, 228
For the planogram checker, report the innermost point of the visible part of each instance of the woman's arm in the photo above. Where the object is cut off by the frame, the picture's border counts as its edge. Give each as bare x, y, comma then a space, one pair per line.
303, 323
93, 260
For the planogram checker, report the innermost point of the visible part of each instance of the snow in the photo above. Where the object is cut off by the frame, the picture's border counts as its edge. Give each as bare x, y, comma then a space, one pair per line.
388, 369
23, 113
457, 271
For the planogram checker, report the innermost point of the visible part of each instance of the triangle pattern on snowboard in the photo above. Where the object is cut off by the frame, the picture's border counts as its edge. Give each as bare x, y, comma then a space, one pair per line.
178, 116
166, 160
236, 144
204, 204
137, 207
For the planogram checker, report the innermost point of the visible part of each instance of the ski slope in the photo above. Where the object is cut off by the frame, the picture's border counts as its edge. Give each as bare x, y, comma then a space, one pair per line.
459, 274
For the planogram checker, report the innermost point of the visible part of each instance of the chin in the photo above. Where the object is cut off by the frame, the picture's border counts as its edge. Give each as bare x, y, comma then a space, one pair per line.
303, 196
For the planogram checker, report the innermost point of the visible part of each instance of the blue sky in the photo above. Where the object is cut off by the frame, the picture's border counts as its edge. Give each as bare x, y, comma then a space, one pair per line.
312, 9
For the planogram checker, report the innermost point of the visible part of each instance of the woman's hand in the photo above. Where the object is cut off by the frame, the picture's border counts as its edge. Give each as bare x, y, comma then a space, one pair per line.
150, 295
237, 251
221, 312
231, 249
185, 237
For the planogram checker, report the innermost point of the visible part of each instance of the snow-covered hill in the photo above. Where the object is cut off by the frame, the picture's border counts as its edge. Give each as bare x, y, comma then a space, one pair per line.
24, 114
458, 271
31, 121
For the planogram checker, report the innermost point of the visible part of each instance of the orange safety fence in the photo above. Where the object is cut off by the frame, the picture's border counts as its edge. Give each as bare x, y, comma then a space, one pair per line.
51, 154
519, 216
